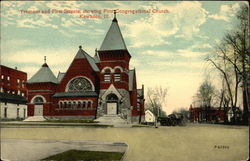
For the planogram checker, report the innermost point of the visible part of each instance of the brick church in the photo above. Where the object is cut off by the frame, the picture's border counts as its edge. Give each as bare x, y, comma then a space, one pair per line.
92, 87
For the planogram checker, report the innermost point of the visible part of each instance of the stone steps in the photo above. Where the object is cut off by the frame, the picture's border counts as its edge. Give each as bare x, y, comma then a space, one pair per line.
35, 118
111, 120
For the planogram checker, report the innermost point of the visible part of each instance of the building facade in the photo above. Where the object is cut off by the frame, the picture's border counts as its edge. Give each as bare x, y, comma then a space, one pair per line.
13, 93
91, 87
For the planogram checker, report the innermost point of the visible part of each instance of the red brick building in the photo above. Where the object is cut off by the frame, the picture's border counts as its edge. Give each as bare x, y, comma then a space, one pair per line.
13, 93
199, 114
91, 87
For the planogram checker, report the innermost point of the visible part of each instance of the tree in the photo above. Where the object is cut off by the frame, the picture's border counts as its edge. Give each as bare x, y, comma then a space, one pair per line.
204, 97
205, 94
232, 60
156, 100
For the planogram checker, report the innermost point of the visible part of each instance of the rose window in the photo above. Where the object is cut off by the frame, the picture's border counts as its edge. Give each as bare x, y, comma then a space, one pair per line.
80, 84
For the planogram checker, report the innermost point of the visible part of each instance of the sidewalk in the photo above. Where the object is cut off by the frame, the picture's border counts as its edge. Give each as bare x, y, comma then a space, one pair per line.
30, 150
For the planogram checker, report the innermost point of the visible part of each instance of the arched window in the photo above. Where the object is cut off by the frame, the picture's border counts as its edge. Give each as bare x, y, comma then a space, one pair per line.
61, 105
84, 104
80, 84
112, 98
107, 75
38, 100
79, 104
74, 105
69, 105
89, 104
117, 75
65, 105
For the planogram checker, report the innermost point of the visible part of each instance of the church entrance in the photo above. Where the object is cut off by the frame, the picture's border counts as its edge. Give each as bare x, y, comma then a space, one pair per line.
38, 111
38, 108
112, 104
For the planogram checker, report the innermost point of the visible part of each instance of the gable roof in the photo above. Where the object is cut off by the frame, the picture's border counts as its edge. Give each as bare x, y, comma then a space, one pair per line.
44, 74
81, 54
113, 39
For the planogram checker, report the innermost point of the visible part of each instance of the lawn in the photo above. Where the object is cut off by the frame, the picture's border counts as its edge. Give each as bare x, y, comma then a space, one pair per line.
76, 155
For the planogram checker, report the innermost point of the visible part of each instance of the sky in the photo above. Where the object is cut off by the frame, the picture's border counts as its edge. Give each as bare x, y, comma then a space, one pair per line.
168, 43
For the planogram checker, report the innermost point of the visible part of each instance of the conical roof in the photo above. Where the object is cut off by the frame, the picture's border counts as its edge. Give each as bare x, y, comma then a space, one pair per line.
43, 75
113, 39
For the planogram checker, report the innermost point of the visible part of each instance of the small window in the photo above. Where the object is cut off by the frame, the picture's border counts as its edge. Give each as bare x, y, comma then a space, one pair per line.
2, 77
5, 112
65, 104
79, 104
23, 84
17, 112
107, 77
69, 105
89, 104
18, 83
8, 78
84, 104
60, 105
74, 105
117, 77
138, 106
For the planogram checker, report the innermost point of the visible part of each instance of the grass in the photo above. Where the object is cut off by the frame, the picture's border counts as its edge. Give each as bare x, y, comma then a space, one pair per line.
76, 155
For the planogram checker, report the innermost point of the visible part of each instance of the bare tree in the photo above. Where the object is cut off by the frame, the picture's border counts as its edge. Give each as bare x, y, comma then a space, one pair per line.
232, 60
157, 98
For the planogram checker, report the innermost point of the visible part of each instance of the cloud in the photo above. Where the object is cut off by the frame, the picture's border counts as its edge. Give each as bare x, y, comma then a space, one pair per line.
159, 53
190, 54
184, 19
226, 12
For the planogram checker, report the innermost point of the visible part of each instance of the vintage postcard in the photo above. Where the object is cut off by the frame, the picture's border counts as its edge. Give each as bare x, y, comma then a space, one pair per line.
125, 80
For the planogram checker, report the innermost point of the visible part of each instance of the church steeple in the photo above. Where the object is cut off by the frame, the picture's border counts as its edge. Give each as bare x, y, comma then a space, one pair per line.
114, 20
113, 39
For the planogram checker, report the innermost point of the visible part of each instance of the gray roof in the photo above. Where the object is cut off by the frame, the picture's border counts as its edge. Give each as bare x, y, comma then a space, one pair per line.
76, 94
131, 79
113, 39
60, 76
82, 54
44, 74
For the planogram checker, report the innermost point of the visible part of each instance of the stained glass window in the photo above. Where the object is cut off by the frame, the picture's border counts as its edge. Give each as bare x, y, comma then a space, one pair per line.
80, 84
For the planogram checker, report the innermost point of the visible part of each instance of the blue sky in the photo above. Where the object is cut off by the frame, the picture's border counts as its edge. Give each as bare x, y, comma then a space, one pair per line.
167, 49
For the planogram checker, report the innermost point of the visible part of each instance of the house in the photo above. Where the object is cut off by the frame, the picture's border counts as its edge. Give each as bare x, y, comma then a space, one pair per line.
149, 117
13, 93
92, 87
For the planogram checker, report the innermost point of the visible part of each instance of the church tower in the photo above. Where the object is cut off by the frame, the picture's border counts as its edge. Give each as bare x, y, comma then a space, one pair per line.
114, 57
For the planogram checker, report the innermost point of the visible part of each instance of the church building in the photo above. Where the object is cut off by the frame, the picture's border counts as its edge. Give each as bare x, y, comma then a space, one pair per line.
92, 87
